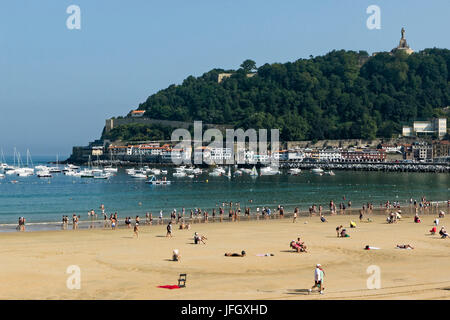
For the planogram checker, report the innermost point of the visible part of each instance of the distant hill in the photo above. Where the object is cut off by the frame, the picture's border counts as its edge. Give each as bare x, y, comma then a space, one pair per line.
341, 95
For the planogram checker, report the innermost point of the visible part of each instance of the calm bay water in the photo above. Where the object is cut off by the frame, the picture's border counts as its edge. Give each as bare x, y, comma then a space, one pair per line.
46, 200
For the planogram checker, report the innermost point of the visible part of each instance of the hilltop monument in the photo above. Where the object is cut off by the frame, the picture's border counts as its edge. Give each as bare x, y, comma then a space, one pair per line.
403, 45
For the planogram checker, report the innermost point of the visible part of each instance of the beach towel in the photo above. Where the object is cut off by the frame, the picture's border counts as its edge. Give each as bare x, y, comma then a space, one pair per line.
170, 287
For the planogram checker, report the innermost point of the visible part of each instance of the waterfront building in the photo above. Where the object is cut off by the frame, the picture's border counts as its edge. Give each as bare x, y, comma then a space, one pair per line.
422, 151
435, 126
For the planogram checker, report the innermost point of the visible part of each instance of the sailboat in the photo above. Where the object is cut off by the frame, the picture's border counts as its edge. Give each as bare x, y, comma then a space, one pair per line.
254, 172
110, 168
55, 169
229, 173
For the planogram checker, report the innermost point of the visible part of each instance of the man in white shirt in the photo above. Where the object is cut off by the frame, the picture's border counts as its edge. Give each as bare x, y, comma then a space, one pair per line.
318, 279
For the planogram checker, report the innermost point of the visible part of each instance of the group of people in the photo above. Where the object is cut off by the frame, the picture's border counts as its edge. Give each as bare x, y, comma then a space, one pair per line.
298, 246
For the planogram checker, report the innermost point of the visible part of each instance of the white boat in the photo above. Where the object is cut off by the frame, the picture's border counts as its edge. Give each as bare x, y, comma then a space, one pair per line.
216, 172
198, 171
139, 176
2, 176
44, 174
102, 176
155, 181
318, 171
329, 173
254, 172
156, 171
269, 171
179, 173
110, 169
247, 171
163, 171
190, 176
86, 173
229, 173
295, 171
189, 170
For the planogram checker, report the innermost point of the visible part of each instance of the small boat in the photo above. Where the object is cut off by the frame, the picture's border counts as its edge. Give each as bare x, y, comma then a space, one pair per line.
179, 173
110, 169
269, 171
329, 173
295, 171
155, 181
139, 176
44, 174
318, 171
216, 173
102, 176
156, 171
163, 171
254, 172
191, 176
2, 176
86, 173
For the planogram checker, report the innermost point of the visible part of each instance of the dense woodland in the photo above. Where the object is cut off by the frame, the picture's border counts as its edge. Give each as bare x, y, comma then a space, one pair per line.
341, 95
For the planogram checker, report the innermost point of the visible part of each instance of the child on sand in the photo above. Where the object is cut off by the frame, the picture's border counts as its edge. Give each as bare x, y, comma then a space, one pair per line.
176, 255
338, 230
433, 230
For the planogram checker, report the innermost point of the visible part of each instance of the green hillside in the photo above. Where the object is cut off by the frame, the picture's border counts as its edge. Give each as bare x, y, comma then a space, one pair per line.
341, 95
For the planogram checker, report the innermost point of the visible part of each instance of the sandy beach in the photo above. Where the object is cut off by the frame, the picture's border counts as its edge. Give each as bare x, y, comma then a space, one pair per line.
116, 265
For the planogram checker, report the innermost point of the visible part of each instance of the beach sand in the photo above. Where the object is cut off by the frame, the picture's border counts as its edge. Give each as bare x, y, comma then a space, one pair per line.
116, 265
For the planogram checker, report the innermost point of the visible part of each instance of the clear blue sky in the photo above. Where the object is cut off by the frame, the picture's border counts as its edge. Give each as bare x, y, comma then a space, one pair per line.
57, 86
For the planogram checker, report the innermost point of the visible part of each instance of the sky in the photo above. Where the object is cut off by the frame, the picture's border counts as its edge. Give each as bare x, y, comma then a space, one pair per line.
58, 85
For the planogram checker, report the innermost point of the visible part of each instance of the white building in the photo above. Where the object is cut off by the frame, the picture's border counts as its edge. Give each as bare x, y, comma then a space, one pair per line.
436, 126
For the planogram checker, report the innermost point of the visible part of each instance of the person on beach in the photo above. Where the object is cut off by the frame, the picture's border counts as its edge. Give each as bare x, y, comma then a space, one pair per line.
229, 254
176, 256
295, 215
319, 274
160, 216
344, 234
433, 230
21, 224
404, 246
352, 224
74, 221
443, 233
136, 230
322, 218
338, 230
169, 230
113, 223
360, 215
441, 214
416, 218
199, 238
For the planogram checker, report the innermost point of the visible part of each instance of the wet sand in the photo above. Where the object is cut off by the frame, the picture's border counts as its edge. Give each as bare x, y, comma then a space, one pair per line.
116, 265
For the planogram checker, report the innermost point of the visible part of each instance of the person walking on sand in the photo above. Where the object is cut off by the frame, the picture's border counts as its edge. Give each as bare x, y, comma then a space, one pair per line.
295, 215
169, 230
318, 279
